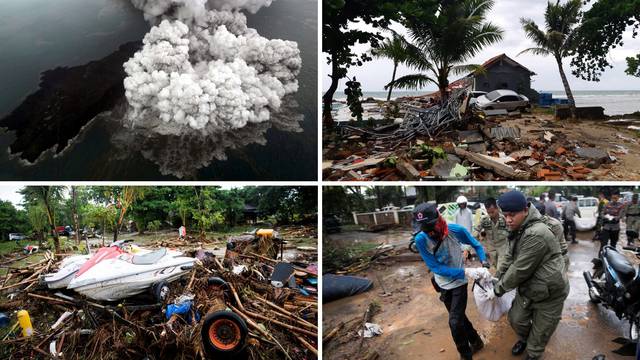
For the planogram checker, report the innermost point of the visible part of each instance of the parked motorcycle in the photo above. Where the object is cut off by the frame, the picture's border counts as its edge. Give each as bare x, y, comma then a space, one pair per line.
615, 284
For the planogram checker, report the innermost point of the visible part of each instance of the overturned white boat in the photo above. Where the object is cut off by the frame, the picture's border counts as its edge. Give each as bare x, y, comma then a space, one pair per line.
112, 274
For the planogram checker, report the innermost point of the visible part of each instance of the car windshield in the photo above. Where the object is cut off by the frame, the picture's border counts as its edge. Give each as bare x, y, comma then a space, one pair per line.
493, 95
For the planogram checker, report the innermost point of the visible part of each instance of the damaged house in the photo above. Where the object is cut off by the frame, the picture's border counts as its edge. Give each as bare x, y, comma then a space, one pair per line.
502, 72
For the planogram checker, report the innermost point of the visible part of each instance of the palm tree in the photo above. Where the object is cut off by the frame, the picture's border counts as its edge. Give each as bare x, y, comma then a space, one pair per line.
441, 47
558, 38
48, 198
395, 50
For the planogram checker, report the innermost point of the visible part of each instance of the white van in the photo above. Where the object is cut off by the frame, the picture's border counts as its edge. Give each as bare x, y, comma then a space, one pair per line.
589, 213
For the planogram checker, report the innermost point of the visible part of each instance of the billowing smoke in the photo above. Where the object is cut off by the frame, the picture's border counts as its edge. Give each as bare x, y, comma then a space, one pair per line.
202, 69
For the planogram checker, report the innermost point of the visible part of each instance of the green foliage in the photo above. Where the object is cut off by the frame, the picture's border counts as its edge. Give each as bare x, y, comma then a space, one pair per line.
354, 93
285, 204
390, 162
97, 215
12, 220
182, 206
206, 208
558, 39
633, 66
49, 198
339, 36
155, 205
431, 154
442, 45
600, 31
395, 50
341, 201
381, 196
154, 225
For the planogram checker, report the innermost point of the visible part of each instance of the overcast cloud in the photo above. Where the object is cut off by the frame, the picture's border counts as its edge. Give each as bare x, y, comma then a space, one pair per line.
506, 14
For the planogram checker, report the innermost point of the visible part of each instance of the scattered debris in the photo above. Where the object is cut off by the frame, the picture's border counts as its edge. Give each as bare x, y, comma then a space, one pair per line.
430, 142
370, 330
259, 320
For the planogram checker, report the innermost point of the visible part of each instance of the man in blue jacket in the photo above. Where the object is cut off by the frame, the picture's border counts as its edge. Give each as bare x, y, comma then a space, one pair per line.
439, 245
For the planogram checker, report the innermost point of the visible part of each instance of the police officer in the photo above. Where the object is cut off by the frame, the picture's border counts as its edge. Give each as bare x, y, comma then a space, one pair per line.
439, 245
534, 266
556, 228
632, 215
493, 228
611, 214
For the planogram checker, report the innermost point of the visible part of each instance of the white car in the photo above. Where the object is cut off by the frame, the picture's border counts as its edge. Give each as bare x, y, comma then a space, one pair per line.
502, 99
389, 208
16, 236
589, 213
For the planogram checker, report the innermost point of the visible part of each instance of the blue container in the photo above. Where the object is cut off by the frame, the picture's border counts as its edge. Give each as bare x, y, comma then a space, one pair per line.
4, 320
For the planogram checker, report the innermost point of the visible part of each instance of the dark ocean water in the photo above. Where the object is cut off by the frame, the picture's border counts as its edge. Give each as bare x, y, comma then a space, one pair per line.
40, 35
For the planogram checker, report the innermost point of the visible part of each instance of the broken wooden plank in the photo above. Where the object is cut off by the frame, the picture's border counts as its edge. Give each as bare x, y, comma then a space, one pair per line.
357, 164
494, 164
408, 170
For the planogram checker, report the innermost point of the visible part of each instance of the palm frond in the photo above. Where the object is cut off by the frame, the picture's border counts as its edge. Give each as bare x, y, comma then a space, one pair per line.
468, 68
534, 33
413, 81
536, 51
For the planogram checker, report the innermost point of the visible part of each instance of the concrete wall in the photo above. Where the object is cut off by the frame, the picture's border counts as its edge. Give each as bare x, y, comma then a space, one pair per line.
400, 217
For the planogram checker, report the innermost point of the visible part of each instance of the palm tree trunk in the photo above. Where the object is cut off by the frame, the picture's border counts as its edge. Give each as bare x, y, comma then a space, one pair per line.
327, 98
443, 83
52, 225
567, 89
393, 77
74, 211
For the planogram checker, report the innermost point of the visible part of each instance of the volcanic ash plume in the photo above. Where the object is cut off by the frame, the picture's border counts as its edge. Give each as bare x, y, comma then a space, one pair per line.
202, 68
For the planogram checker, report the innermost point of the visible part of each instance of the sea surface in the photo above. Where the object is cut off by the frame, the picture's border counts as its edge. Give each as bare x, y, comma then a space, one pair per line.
40, 35
613, 102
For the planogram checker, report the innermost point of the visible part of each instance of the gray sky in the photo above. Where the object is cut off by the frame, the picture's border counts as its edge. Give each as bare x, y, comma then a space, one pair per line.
10, 193
506, 14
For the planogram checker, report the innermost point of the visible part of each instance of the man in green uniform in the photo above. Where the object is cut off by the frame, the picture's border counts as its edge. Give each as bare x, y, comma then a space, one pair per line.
533, 265
632, 214
493, 229
557, 229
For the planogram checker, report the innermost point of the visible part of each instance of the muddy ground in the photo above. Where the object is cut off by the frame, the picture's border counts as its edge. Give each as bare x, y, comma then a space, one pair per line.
415, 322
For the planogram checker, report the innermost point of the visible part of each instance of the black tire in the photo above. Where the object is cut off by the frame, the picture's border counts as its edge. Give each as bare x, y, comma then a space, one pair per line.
161, 291
413, 248
224, 333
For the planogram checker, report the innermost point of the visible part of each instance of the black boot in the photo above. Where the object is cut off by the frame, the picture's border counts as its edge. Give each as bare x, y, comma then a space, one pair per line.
519, 347
466, 357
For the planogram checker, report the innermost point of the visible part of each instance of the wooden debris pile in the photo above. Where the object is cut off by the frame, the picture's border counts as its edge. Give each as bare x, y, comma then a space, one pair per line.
480, 148
281, 322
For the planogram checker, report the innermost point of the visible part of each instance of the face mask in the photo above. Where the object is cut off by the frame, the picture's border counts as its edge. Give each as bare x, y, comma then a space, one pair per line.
441, 229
